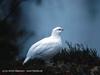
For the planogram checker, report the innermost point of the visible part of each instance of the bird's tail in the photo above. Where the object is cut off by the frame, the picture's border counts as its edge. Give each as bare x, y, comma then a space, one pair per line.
27, 58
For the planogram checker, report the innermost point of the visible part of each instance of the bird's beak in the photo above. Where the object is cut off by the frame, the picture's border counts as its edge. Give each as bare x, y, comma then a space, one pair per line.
62, 29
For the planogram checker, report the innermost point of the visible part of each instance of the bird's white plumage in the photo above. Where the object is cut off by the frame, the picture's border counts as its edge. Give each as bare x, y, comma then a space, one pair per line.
47, 47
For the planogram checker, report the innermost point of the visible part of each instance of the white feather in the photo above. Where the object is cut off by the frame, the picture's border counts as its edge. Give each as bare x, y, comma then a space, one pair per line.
47, 47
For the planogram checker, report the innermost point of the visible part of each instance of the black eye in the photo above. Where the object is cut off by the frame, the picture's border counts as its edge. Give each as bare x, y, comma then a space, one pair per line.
59, 29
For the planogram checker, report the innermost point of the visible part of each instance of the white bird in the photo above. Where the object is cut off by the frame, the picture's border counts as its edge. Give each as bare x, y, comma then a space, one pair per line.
47, 47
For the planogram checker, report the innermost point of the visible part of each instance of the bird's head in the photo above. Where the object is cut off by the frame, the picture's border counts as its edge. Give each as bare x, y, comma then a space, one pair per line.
57, 31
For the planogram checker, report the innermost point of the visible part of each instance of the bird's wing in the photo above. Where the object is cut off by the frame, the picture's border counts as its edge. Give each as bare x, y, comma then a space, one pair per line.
41, 46
33, 48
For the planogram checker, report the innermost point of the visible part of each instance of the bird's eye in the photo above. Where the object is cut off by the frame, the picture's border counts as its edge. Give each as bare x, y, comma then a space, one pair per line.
59, 29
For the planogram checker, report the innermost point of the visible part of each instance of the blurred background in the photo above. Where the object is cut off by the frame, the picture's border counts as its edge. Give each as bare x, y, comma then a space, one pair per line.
24, 22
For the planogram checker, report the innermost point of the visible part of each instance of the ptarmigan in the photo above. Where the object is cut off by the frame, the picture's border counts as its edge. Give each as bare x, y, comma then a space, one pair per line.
47, 47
